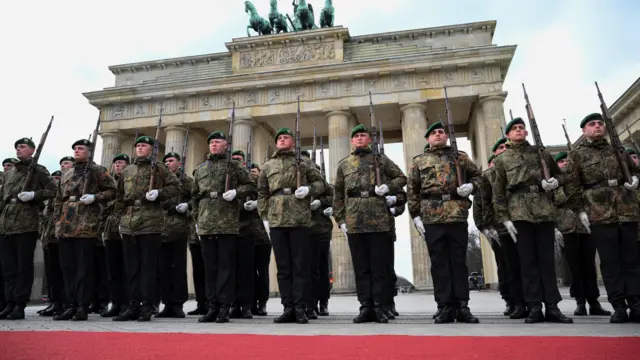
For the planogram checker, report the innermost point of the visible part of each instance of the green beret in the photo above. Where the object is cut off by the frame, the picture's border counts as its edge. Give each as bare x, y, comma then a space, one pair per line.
56, 173
171, 155
25, 141
144, 140
283, 131
517, 120
590, 117
498, 143
238, 152
216, 135
629, 150
434, 126
9, 161
255, 166
124, 157
67, 158
359, 129
83, 142
305, 153
561, 155
427, 146
491, 159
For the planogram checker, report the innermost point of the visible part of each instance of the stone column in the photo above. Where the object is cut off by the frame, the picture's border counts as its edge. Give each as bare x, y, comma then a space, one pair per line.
241, 131
414, 126
111, 142
174, 139
339, 147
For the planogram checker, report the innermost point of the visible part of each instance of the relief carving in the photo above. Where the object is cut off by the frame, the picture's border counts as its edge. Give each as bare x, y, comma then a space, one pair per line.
118, 111
348, 87
287, 55
274, 96
139, 110
371, 83
298, 91
322, 89
228, 100
398, 82
251, 97
476, 76
424, 81
159, 106
183, 104
449, 77
204, 101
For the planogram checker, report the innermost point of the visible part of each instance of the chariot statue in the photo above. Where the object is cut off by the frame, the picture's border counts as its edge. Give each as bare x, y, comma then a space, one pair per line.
303, 18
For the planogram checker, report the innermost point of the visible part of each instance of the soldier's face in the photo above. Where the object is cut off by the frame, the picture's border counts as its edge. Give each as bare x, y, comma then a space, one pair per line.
217, 146
517, 133
173, 164
438, 137
562, 163
285, 142
594, 130
24, 152
361, 140
66, 165
500, 149
490, 164
634, 157
80, 153
119, 165
7, 166
238, 158
255, 172
143, 150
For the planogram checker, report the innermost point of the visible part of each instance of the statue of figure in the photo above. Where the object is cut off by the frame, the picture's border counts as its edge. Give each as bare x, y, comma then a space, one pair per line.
277, 20
303, 16
257, 23
326, 16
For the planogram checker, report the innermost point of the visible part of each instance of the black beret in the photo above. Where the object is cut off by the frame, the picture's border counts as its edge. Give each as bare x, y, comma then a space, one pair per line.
305, 153
498, 143
83, 142
67, 158
359, 129
56, 173
25, 141
10, 161
283, 131
561, 155
171, 155
238, 152
216, 135
144, 140
517, 120
434, 126
590, 117
124, 157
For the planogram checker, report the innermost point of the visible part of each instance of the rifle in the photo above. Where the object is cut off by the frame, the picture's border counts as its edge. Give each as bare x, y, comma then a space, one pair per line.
510, 114
154, 154
87, 168
268, 155
502, 132
566, 136
453, 143
249, 157
322, 168
227, 182
183, 156
536, 135
313, 150
381, 138
635, 144
298, 155
374, 134
34, 161
615, 139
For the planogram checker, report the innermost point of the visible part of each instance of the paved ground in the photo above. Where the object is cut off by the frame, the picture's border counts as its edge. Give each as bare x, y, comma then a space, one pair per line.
416, 310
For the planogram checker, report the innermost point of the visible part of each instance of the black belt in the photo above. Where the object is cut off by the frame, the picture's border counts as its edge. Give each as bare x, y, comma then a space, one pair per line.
361, 194
442, 196
136, 202
282, 191
526, 189
601, 184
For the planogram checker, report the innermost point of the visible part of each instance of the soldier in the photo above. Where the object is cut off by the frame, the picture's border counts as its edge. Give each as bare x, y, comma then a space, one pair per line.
117, 280
197, 266
396, 204
173, 250
100, 297
634, 156
440, 214
360, 209
286, 215
216, 211
142, 224
19, 225
261, 256
522, 206
607, 206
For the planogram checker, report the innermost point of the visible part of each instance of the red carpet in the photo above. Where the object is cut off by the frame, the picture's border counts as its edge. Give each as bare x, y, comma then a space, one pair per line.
138, 346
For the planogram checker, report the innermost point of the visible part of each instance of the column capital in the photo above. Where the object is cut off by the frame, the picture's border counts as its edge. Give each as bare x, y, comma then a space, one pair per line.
497, 96
115, 134
244, 120
175, 128
420, 106
338, 112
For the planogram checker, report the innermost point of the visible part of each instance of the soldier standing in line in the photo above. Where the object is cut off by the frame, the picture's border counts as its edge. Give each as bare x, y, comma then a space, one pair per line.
7, 165
142, 224
286, 215
607, 206
19, 225
440, 213
117, 281
521, 204
396, 204
580, 252
197, 265
173, 250
360, 208
218, 182
261, 254
77, 221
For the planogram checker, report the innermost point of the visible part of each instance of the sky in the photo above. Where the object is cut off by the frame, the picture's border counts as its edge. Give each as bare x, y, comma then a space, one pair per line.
53, 55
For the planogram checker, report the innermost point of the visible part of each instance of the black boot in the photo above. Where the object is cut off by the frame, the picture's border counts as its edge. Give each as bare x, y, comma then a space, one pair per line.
262, 308
535, 314
93, 308
50, 310
67, 314
380, 316
17, 313
301, 316
312, 314
519, 311
393, 310
177, 311
166, 312
7, 310
39, 312
581, 309
619, 316
81, 314
288, 316
464, 315
131, 313
446, 315
246, 313
224, 314
235, 312
324, 308
634, 309
201, 309
146, 313
509, 309
58, 309
595, 309
438, 312
554, 315
114, 311
211, 315
387, 312
365, 315
103, 308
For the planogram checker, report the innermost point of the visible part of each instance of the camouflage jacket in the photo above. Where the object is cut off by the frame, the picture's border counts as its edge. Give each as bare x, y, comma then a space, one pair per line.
176, 225
398, 208
193, 237
593, 167
213, 214
567, 221
483, 213
18, 217
111, 215
433, 175
137, 215
73, 218
321, 225
356, 177
276, 186
47, 226
517, 189
250, 222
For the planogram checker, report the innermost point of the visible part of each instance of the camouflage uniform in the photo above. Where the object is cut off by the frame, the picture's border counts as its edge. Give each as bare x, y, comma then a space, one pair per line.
197, 267
397, 209
261, 259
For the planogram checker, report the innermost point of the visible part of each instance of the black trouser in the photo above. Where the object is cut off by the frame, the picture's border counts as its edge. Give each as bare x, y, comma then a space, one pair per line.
100, 276
323, 286
2, 297
197, 264
503, 284
17, 252
447, 245
245, 271
219, 253
141, 253
261, 260
580, 252
314, 271
77, 263
46, 286
118, 290
536, 249
393, 278
55, 282
292, 249
370, 257
173, 272
618, 249
512, 265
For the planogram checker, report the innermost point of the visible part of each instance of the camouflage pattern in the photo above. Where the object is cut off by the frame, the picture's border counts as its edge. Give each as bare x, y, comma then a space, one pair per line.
193, 237
398, 208
483, 215
567, 221
517, 173
356, 174
250, 222
18, 217
321, 224
139, 216
433, 172
47, 228
73, 218
111, 214
213, 214
279, 173
177, 225
593, 165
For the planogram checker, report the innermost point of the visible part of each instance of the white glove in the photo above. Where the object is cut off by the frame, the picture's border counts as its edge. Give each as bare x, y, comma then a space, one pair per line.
382, 189
328, 212
511, 229
266, 226
495, 236
393, 211
301, 192
343, 227
152, 195
633, 185
229, 195
26, 196
559, 238
584, 219
87, 199
419, 225
315, 204
490, 236
182, 208
391, 200
465, 190
251, 205
550, 184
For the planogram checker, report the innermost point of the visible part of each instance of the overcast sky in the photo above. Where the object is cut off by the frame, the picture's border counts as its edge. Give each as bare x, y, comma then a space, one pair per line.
54, 51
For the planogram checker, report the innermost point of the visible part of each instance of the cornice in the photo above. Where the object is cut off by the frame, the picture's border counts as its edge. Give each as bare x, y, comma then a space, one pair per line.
627, 99
449, 30
300, 37
164, 63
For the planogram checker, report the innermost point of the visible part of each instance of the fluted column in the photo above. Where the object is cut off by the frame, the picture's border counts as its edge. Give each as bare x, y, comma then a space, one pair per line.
489, 123
414, 126
241, 131
111, 142
174, 139
344, 279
